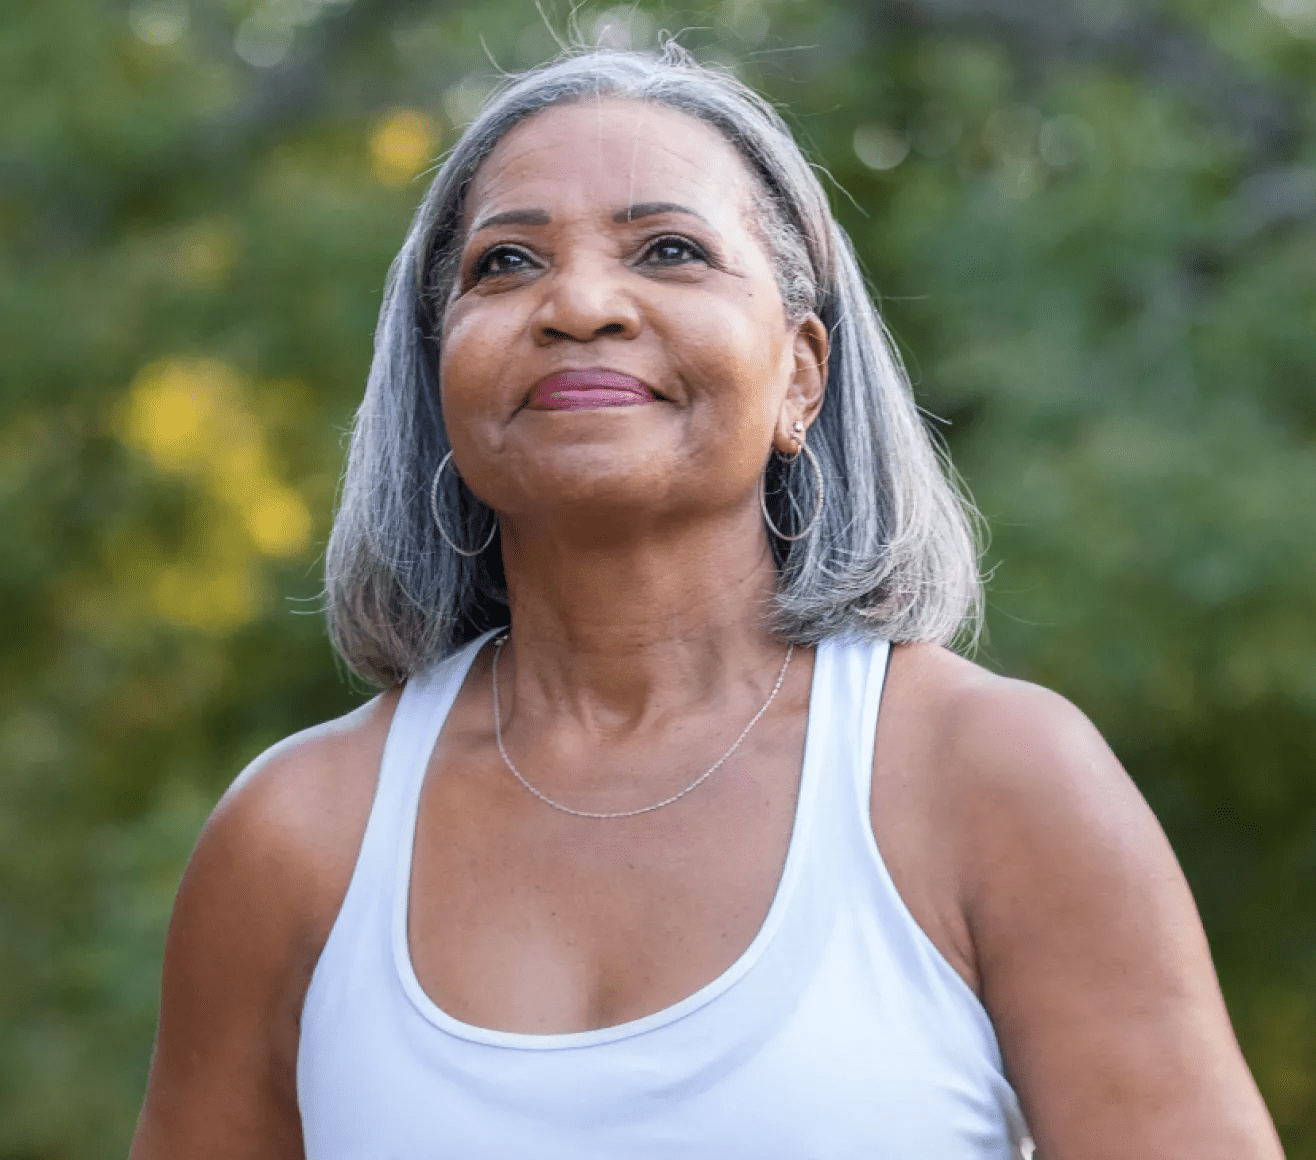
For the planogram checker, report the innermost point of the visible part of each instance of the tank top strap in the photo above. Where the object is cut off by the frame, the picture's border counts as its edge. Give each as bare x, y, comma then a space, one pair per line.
421, 710
849, 674
859, 669
852, 671
874, 662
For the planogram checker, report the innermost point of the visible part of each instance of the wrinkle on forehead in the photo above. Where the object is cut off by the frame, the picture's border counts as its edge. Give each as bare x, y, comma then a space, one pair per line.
665, 150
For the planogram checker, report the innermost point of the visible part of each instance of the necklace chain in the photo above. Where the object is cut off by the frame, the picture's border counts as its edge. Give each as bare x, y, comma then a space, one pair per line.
667, 801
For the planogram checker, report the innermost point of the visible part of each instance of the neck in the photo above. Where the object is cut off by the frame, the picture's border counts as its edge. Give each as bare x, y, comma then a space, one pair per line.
622, 630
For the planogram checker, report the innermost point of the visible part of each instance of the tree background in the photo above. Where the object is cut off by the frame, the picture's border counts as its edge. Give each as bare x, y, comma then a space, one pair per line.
1093, 225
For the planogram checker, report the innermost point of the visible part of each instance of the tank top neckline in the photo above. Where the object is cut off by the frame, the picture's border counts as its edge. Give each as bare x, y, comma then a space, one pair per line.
441, 699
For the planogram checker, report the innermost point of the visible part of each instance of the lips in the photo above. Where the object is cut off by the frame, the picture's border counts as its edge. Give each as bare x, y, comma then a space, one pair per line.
588, 390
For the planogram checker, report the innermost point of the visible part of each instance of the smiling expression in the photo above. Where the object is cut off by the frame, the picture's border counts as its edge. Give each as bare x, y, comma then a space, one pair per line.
616, 336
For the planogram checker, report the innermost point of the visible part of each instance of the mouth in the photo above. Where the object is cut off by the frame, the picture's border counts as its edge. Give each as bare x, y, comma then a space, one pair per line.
589, 390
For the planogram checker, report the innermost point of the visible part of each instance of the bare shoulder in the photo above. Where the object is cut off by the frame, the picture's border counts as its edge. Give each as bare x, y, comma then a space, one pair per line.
296, 814
1030, 810
1041, 871
1032, 799
967, 765
255, 906
274, 860
1005, 735
1004, 760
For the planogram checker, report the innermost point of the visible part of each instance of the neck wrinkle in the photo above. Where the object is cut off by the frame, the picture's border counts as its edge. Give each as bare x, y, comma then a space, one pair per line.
625, 635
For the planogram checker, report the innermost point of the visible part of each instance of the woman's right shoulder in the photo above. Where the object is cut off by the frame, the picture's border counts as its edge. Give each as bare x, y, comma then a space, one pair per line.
295, 816
274, 860
253, 911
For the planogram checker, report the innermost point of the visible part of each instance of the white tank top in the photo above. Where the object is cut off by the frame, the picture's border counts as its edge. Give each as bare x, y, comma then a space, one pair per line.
840, 1033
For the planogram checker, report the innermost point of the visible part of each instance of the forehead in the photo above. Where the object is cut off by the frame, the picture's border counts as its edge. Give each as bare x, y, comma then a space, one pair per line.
612, 152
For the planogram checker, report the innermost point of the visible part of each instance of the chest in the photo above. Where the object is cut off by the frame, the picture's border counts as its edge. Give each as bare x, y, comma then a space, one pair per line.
815, 1052
523, 918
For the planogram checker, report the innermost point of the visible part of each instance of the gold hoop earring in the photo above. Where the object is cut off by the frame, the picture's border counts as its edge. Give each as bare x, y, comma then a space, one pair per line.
438, 522
817, 511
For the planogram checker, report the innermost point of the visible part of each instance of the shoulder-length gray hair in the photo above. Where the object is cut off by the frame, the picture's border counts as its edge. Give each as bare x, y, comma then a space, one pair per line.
892, 551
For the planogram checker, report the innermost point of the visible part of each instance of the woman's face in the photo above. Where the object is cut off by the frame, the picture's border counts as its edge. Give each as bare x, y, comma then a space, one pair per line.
616, 343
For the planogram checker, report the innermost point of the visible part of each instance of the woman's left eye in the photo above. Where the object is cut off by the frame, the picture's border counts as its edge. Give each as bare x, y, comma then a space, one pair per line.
673, 252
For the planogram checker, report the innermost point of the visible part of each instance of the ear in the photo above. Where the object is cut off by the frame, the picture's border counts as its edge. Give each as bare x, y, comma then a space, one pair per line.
804, 396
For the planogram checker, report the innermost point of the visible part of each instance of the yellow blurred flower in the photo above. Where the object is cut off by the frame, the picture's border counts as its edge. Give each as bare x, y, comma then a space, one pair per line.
402, 144
171, 408
191, 418
203, 595
279, 521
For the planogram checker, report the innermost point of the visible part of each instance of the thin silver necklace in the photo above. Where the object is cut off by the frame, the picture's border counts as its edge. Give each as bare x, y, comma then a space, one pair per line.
667, 801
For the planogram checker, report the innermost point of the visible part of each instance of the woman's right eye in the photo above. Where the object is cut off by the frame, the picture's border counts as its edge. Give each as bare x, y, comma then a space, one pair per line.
502, 260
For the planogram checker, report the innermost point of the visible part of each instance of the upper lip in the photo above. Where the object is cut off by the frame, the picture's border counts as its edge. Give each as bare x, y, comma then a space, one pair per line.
592, 379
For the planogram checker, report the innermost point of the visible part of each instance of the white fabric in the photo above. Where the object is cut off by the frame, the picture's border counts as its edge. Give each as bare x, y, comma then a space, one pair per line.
840, 1033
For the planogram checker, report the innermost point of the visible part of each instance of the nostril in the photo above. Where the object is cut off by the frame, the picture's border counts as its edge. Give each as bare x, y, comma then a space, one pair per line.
611, 328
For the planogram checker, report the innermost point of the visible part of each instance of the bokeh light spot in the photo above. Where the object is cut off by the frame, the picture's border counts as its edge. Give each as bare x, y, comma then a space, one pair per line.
211, 595
170, 407
279, 521
190, 418
402, 144
158, 22
880, 147
622, 27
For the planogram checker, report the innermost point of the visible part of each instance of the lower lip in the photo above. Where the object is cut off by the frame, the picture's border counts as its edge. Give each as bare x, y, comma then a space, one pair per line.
590, 399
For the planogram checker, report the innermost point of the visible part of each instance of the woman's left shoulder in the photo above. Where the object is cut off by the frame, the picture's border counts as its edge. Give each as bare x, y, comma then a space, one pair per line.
1001, 810
1056, 893
1010, 753
1040, 821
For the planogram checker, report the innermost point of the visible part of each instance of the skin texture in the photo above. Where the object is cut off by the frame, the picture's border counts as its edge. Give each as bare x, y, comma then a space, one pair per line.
639, 575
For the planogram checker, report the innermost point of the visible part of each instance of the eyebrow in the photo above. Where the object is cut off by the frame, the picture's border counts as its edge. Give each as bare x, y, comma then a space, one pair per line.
652, 209
540, 217
515, 217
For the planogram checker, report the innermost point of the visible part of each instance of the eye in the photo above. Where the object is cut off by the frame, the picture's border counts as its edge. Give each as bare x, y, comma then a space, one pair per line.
673, 250
502, 260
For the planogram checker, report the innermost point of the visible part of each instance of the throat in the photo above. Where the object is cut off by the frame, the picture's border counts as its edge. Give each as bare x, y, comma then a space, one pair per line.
634, 810
623, 628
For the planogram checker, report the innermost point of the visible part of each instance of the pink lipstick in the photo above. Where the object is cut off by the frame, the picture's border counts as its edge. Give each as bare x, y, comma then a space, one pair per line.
588, 390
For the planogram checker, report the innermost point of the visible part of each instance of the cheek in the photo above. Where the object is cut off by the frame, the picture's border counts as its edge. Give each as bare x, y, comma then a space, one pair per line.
473, 354
735, 368
735, 353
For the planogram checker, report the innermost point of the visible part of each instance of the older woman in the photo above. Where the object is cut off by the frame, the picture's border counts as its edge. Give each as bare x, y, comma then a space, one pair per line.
625, 862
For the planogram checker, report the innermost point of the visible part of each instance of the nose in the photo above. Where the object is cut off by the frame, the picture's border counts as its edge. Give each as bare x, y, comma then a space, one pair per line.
583, 301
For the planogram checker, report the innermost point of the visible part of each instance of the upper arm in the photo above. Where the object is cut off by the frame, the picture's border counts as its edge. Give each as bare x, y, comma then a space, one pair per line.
252, 913
1091, 957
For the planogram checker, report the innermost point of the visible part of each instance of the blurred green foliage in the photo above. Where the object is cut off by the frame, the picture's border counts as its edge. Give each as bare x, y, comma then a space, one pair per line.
1094, 225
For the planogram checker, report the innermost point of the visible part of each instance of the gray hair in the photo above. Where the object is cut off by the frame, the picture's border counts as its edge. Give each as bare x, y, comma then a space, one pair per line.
892, 552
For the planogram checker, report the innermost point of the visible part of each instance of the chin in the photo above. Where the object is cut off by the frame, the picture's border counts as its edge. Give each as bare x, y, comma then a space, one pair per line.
575, 480
589, 462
